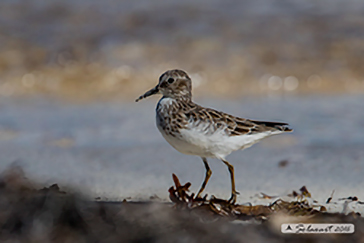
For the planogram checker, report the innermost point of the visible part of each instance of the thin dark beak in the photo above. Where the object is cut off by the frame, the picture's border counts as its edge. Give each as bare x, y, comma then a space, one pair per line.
153, 91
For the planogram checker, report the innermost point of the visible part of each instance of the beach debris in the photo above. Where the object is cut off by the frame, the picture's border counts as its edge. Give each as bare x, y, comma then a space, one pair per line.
53, 214
301, 205
330, 198
283, 163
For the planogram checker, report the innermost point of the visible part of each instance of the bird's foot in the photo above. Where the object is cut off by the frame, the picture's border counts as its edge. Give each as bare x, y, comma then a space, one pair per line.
233, 197
198, 197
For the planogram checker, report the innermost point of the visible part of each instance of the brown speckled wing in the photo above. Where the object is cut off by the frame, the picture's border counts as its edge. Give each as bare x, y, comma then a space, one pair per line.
234, 126
257, 127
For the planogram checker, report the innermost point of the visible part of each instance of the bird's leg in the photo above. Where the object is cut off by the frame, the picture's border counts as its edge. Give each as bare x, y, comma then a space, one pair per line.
234, 193
207, 177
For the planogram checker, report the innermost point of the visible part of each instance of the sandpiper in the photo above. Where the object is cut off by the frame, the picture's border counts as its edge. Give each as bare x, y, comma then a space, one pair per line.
196, 130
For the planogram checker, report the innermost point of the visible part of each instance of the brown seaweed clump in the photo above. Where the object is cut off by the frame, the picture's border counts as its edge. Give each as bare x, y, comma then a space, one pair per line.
222, 208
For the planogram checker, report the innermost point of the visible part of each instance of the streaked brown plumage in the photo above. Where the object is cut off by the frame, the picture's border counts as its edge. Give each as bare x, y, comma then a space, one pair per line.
193, 129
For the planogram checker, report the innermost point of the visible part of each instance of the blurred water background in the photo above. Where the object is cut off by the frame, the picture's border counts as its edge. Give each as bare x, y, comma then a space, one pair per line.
70, 71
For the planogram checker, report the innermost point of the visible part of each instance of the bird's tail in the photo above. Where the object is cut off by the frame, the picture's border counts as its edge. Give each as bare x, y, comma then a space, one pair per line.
281, 126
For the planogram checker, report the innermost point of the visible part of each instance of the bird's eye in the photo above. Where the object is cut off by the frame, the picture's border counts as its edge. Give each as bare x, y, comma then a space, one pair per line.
170, 80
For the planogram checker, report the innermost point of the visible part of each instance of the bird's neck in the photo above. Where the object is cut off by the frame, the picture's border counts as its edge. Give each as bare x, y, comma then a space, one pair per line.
175, 103
179, 98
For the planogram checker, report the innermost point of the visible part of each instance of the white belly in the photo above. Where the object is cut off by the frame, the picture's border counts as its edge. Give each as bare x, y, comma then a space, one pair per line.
186, 144
216, 145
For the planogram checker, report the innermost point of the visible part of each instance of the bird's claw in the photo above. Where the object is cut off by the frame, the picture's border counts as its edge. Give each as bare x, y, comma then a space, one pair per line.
233, 197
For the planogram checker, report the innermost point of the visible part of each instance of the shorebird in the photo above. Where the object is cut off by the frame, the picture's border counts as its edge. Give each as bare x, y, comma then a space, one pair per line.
196, 130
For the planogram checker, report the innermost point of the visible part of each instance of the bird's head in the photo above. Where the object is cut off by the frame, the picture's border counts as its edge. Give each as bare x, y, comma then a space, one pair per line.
173, 84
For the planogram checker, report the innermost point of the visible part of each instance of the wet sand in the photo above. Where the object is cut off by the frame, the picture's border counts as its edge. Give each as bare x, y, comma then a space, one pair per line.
102, 147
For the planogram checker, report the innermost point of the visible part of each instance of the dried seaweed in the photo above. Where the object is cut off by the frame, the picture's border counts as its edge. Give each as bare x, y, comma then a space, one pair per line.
219, 207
